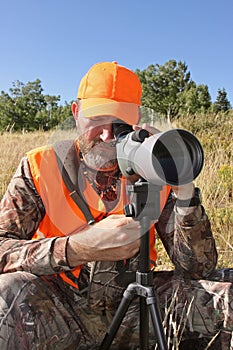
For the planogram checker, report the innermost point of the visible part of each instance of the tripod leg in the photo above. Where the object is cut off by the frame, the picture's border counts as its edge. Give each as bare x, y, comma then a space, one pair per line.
158, 326
117, 319
144, 322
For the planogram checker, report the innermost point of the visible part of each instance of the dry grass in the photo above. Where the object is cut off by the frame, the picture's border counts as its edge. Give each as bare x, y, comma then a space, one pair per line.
12, 147
215, 180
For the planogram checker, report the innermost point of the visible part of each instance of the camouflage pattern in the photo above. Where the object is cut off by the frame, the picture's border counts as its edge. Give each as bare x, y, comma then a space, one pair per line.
45, 313
190, 308
40, 311
187, 239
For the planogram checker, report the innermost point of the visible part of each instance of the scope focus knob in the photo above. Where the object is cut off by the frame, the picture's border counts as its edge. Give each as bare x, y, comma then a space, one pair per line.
140, 135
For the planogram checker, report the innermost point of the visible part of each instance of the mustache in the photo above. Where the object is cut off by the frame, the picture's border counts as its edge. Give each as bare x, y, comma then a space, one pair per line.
88, 146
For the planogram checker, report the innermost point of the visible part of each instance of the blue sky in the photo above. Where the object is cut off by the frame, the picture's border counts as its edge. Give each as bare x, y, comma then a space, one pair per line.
58, 40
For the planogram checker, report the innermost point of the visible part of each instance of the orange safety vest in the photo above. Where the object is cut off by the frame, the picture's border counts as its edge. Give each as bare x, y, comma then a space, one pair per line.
63, 217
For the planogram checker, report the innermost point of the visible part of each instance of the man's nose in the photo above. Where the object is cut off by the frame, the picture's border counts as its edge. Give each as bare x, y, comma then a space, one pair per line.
107, 133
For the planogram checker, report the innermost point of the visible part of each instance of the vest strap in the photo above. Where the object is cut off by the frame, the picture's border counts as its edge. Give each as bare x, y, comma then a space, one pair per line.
69, 163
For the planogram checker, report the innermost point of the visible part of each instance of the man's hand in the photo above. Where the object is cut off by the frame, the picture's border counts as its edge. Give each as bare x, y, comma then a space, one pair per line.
147, 127
114, 238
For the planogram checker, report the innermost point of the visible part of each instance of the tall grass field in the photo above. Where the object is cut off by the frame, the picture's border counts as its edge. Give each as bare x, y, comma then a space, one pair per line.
216, 179
215, 133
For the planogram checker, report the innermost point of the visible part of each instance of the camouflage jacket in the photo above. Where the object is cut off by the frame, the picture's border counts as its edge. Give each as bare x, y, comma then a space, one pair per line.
186, 236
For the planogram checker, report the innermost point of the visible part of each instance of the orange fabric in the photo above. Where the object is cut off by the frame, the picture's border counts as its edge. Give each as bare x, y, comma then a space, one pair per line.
111, 89
63, 217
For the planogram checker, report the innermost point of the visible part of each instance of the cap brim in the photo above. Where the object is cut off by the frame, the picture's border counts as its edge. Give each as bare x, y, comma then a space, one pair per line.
128, 112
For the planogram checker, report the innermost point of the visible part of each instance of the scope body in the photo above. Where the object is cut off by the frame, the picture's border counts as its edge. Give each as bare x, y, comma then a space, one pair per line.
174, 157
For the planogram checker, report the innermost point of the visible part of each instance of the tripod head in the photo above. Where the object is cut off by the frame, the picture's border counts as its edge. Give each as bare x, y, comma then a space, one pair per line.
144, 200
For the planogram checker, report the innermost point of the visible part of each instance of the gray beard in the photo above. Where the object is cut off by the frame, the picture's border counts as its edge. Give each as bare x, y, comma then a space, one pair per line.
97, 154
98, 160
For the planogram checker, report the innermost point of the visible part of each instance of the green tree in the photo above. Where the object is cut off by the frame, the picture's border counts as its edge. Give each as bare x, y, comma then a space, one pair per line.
204, 98
196, 99
50, 112
27, 101
163, 86
26, 107
222, 103
6, 111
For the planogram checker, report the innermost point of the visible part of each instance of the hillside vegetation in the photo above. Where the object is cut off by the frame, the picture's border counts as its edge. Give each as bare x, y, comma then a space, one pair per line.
215, 133
216, 179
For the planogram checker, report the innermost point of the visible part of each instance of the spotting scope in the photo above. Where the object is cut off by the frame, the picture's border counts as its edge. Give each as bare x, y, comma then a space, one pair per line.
174, 157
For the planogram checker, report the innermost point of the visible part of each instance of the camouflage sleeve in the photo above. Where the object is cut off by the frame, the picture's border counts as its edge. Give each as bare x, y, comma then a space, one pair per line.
21, 211
187, 237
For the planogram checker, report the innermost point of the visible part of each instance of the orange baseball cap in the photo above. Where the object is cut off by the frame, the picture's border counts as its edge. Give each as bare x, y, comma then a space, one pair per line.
111, 89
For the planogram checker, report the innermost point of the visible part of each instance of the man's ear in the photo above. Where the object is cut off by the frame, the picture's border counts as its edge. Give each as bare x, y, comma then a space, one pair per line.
74, 109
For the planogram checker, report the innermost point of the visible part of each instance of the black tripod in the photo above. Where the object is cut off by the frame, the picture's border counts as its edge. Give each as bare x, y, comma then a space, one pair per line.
144, 206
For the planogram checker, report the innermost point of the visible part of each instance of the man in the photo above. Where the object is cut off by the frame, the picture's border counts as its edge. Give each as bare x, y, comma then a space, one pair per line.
67, 254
